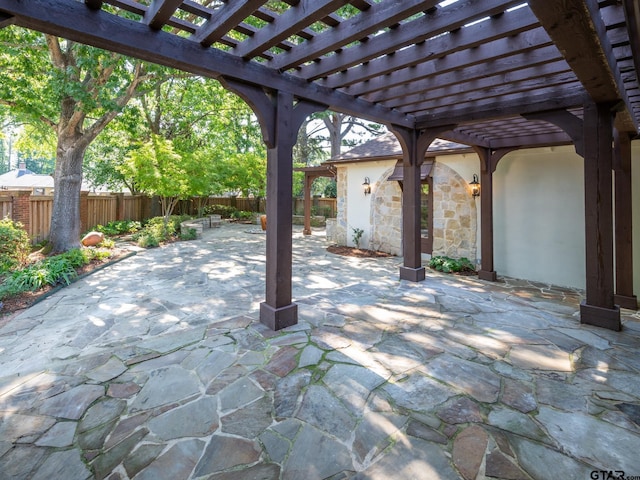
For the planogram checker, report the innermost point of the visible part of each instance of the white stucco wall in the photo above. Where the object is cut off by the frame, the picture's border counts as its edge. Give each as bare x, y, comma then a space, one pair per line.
359, 205
538, 214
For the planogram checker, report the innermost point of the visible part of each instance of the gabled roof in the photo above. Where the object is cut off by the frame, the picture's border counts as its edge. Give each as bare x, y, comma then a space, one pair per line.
387, 147
467, 68
13, 174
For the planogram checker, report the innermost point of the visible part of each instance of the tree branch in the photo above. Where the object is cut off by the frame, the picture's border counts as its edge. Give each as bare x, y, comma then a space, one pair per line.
42, 118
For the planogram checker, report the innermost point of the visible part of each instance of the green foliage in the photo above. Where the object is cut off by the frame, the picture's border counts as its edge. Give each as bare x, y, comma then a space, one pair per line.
331, 190
119, 227
156, 231
448, 265
189, 234
225, 211
357, 235
14, 245
242, 215
58, 269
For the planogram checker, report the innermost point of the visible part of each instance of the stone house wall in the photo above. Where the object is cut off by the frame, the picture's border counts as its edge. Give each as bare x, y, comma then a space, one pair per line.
454, 214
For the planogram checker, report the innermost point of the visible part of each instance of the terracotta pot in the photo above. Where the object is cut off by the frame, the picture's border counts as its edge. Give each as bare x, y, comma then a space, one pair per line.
263, 222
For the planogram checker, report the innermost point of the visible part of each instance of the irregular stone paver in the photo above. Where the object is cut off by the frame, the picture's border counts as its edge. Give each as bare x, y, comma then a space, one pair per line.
540, 357
593, 433
60, 435
379, 379
519, 396
411, 458
460, 410
223, 453
324, 411
165, 386
65, 464
178, 462
195, 419
468, 377
329, 457
469, 448
73, 403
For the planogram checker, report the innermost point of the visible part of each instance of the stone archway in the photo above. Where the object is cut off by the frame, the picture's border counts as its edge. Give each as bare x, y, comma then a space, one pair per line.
454, 215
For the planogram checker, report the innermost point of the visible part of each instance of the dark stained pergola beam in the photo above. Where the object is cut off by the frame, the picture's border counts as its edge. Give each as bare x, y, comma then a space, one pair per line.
226, 18
379, 16
287, 24
6, 20
531, 141
160, 11
428, 26
482, 53
93, 4
500, 66
578, 31
523, 88
139, 9
518, 77
439, 47
507, 106
72, 20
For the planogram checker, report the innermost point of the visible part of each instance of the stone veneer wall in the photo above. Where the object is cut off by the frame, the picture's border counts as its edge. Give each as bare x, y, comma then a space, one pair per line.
386, 216
454, 215
341, 216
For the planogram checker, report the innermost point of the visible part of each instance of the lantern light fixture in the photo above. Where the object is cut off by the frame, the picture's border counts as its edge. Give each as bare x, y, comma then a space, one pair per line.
367, 186
475, 186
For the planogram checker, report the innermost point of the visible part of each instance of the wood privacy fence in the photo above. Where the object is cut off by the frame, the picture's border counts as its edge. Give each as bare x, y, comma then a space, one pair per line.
34, 211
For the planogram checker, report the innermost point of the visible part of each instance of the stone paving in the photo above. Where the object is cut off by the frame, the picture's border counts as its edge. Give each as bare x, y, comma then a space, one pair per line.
157, 368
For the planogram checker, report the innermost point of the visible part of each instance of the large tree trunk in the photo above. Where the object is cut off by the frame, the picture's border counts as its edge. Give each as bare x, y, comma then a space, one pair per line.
65, 217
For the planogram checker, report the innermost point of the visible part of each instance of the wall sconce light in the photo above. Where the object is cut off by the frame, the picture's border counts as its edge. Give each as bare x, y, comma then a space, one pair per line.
475, 186
367, 186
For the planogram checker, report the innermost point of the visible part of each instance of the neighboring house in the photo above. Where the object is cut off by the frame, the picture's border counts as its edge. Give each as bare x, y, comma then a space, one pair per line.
24, 179
538, 207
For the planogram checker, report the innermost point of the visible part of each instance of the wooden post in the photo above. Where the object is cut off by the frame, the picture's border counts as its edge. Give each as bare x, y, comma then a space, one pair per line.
308, 181
414, 147
623, 225
488, 163
598, 308
279, 120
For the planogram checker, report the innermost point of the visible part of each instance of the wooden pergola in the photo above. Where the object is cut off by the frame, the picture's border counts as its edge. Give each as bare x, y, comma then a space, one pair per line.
494, 74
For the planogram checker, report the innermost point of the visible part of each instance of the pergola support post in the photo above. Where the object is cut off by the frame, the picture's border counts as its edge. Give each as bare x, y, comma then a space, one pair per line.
414, 147
599, 308
488, 163
623, 296
280, 120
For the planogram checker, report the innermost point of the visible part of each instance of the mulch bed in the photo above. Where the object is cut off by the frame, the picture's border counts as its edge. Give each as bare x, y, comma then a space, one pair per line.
356, 252
14, 305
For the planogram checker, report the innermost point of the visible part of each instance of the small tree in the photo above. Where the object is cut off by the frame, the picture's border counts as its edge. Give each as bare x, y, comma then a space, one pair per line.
159, 170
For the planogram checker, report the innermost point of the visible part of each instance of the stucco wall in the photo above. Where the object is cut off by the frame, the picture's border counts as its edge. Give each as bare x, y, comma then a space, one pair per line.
538, 212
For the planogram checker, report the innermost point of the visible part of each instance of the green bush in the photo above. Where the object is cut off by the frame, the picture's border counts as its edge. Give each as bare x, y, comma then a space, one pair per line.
242, 215
50, 271
448, 265
15, 245
225, 211
119, 227
189, 234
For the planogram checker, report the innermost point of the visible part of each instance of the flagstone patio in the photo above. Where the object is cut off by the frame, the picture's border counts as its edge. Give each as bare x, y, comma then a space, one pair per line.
157, 368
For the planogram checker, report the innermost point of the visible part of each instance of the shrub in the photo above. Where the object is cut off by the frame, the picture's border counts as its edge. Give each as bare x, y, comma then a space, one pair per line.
15, 245
189, 234
50, 271
357, 236
242, 215
119, 227
448, 265
225, 211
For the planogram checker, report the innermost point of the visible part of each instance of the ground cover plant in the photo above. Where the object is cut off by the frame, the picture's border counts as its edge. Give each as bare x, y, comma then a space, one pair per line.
451, 265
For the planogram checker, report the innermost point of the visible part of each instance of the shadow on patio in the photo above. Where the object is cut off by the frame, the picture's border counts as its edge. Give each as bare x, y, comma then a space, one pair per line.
157, 368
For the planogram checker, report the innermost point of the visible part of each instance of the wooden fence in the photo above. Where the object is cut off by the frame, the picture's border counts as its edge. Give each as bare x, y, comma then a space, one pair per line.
34, 211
